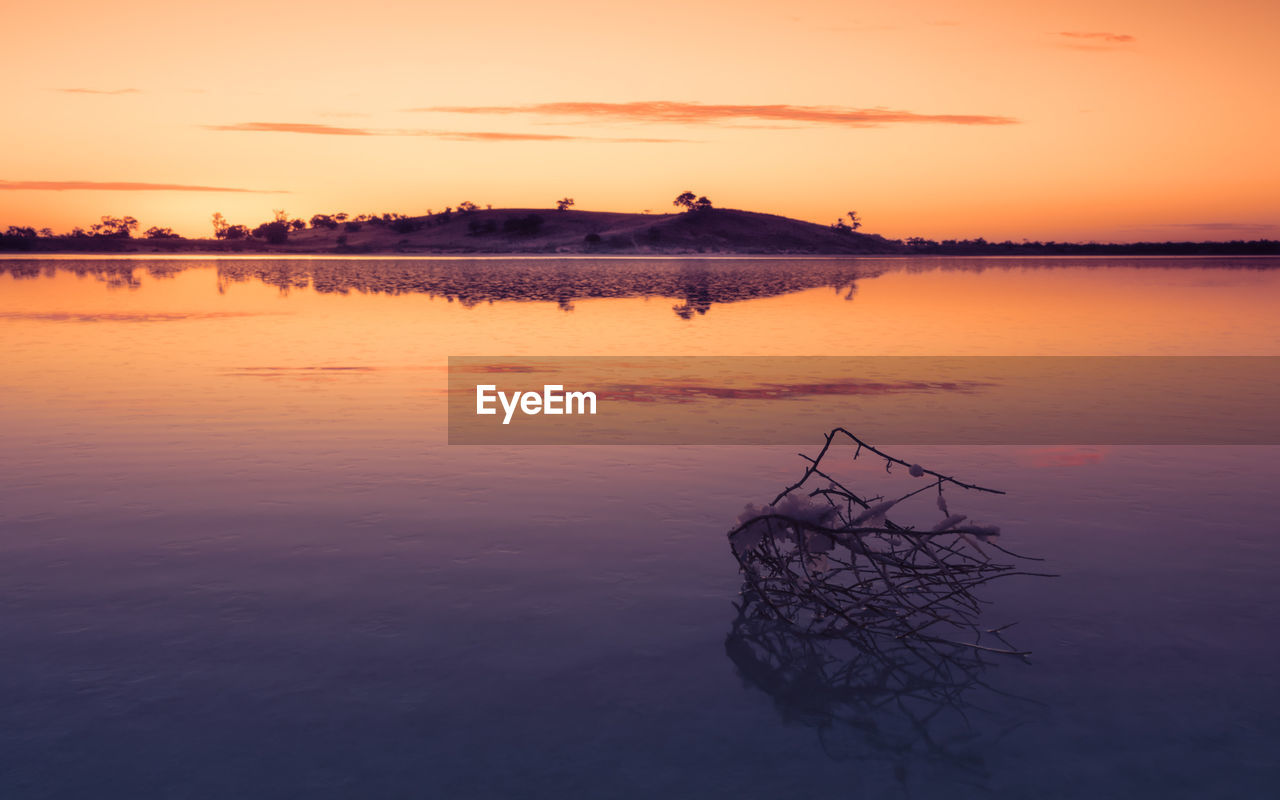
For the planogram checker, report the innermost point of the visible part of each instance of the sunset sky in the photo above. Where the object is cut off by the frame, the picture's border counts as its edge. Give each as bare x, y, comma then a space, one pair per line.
1088, 119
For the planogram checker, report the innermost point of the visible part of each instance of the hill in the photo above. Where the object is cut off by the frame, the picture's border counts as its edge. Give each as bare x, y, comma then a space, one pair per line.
529, 231
713, 231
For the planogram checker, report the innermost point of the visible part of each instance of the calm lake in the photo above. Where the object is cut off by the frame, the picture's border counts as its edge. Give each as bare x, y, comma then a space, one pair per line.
238, 558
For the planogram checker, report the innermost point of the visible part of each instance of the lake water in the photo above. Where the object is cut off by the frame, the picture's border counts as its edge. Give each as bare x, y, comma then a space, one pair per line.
238, 559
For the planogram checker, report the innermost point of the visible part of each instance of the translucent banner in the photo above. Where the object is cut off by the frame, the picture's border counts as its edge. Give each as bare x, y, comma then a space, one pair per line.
1017, 400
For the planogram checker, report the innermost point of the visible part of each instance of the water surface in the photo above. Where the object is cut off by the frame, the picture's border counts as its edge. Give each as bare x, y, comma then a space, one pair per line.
237, 558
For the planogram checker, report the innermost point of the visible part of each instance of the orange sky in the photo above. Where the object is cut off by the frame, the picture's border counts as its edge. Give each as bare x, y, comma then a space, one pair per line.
1054, 120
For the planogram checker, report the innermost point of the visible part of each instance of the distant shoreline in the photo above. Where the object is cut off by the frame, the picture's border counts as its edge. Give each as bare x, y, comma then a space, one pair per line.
542, 232
52, 255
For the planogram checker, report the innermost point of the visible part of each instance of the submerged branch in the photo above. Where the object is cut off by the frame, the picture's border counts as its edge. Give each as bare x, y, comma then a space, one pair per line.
841, 567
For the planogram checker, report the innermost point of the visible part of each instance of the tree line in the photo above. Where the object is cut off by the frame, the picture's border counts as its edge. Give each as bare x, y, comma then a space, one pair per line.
281, 225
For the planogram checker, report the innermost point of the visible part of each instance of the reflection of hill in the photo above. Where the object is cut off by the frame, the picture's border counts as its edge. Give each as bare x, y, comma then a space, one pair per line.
698, 283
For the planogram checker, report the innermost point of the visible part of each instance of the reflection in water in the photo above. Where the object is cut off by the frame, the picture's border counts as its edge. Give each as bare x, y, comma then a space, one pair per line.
865, 628
910, 706
158, 316
697, 283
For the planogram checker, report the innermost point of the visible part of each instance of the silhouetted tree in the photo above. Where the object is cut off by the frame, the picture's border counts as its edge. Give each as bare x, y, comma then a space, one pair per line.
160, 233
323, 221
274, 232
18, 237
402, 224
234, 232
466, 207
840, 226
702, 203
297, 224
685, 200
115, 226
220, 226
563, 203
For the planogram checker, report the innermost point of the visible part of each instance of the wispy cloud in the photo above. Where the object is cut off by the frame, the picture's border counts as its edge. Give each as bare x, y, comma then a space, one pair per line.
122, 186
1225, 226
81, 90
1093, 41
293, 127
1101, 36
498, 136
682, 113
455, 136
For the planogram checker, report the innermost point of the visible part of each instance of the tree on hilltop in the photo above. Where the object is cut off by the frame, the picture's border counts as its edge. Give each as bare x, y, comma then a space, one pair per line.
855, 222
691, 202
